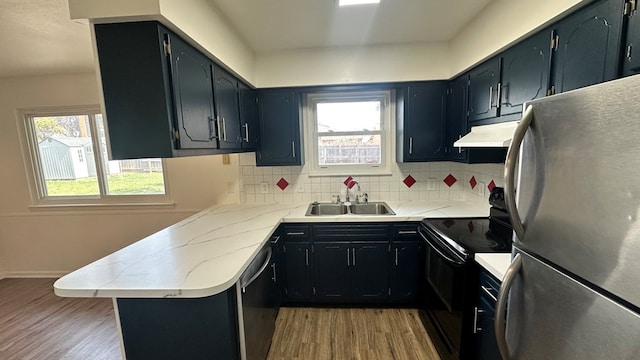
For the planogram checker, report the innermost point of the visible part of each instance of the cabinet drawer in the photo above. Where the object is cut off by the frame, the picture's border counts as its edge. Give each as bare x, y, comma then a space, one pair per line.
296, 232
405, 232
352, 232
489, 286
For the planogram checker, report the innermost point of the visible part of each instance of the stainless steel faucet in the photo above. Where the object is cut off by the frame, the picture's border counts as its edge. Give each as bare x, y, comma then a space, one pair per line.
350, 185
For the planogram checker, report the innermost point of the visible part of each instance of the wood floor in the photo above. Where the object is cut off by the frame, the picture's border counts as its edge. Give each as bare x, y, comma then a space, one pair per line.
37, 325
350, 334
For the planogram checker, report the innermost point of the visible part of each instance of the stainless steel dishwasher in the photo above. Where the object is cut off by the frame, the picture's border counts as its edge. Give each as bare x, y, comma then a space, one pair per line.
257, 306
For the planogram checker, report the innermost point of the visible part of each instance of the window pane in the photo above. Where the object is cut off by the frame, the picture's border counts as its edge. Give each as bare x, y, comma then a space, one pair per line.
130, 177
348, 116
349, 150
65, 147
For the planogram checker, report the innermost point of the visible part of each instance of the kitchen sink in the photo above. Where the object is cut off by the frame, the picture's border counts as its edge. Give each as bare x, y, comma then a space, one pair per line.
318, 209
328, 209
372, 208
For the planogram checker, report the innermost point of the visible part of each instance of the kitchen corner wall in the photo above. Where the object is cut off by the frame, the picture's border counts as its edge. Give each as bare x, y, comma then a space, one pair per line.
261, 184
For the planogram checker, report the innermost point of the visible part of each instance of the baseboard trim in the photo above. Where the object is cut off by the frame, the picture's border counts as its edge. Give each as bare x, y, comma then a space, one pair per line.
32, 274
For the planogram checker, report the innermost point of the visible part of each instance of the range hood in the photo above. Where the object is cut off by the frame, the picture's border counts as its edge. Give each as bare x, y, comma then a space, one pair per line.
494, 135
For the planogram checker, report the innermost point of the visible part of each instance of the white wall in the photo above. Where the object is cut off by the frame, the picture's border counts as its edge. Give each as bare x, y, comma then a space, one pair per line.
500, 24
198, 21
382, 63
49, 242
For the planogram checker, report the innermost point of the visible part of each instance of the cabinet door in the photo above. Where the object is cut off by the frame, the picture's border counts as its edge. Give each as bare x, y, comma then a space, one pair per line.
525, 72
423, 121
631, 61
227, 109
279, 128
370, 271
193, 96
483, 90
588, 48
298, 260
457, 117
248, 117
405, 271
332, 261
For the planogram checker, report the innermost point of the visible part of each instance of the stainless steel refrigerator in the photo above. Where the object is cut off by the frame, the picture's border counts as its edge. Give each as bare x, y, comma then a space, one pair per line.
573, 288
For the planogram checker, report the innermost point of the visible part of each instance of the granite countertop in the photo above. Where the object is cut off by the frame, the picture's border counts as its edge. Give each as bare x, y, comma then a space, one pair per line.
495, 264
206, 253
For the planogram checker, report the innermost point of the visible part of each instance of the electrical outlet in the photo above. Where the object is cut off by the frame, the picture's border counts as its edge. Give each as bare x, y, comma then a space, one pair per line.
480, 188
264, 187
431, 184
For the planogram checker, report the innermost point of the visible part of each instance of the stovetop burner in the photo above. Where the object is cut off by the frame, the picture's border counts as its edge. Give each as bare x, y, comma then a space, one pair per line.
474, 235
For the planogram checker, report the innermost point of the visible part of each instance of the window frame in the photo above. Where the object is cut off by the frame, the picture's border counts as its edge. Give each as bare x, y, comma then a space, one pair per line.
35, 173
386, 132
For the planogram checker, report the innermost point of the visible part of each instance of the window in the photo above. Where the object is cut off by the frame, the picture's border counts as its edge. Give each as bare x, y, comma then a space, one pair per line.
348, 132
69, 159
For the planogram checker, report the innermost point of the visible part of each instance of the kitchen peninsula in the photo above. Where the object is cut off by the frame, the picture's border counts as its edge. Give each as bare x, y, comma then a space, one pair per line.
183, 278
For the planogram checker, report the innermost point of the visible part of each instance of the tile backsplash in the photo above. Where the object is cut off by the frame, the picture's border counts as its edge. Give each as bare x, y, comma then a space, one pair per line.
412, 181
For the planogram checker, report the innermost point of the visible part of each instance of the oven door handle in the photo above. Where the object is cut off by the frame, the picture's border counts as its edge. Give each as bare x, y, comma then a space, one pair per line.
439, 251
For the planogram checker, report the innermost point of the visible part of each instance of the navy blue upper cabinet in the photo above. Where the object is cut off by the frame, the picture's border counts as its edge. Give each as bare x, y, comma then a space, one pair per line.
631, 60
193, 96
525, 72
484, 86
248, 117
225, 89
456, 117
162, 96
420, 122
279, 117
588, 46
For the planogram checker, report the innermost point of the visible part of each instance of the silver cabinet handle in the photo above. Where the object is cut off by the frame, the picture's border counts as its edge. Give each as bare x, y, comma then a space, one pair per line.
353, 253
499, 324
407, 232
293, 149
246, 132
499, 95
218, 128
299, 233
476, 311
410, 145
348, 258
510, 172
273, 267
211, 132
488, 292
396, 256
490, 97
224, 130
459, 148
306, 257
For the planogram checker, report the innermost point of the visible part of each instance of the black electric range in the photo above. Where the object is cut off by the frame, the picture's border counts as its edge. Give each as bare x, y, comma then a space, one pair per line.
468, 236
451, 277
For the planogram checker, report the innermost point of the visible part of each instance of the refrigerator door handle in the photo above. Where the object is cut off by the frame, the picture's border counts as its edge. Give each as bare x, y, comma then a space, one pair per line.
501, 305
510, 171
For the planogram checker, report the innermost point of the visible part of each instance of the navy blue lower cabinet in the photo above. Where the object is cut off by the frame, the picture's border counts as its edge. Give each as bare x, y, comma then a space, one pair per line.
332, 264
298, 261
370, 272
180, 328
405, 271
486, 347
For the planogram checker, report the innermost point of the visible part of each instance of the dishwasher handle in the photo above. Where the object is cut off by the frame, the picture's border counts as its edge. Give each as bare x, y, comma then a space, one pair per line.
245, 284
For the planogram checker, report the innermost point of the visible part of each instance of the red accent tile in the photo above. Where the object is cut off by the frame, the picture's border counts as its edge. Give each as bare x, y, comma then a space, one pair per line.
282, 184
473, 182
409, 181
347, 181
448, 223
491, 185
351, 184
450, 180
470, 226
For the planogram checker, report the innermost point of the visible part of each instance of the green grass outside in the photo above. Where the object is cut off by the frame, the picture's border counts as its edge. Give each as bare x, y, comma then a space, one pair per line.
119, 184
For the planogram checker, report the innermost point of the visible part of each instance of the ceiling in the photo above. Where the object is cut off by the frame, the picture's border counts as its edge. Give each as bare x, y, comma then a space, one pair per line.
38, 37
269, 25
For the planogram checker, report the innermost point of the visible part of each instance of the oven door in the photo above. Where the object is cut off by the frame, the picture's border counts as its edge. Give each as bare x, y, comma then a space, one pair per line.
446, 274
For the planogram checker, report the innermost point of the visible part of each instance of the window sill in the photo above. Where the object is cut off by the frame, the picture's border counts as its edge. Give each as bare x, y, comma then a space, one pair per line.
104, 206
